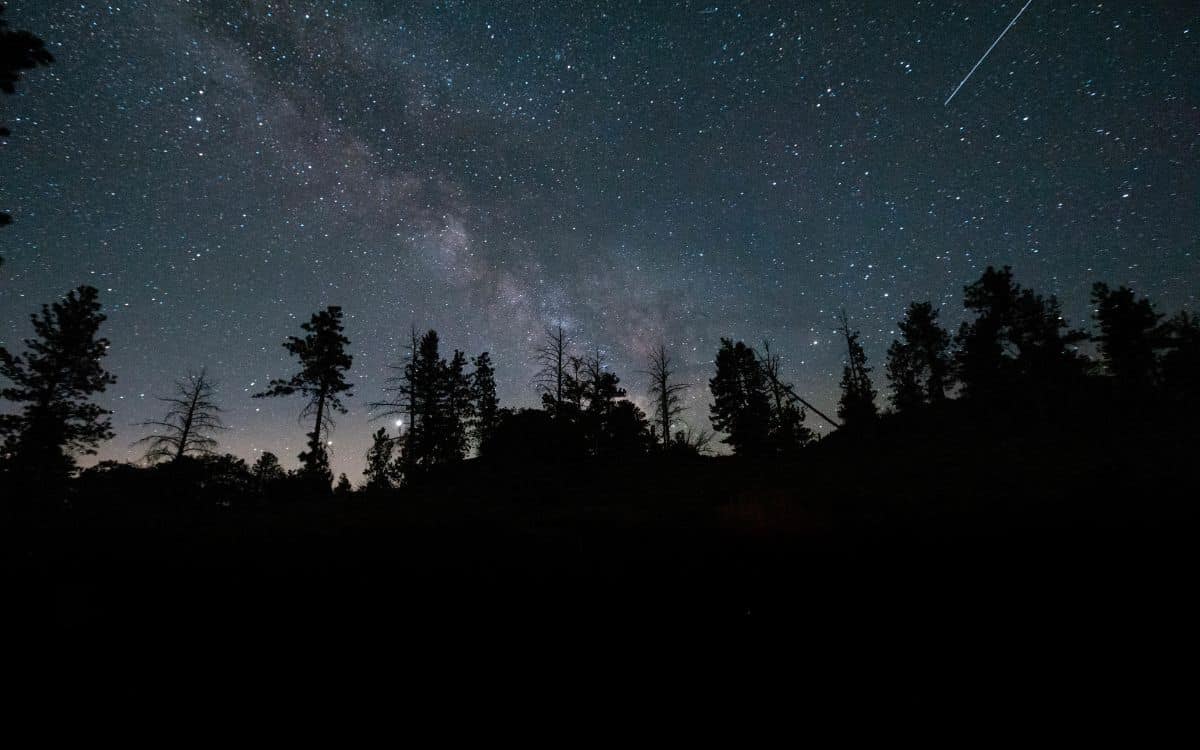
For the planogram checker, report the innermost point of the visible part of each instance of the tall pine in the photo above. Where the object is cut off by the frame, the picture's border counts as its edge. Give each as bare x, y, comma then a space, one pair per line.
321, 380
52, 385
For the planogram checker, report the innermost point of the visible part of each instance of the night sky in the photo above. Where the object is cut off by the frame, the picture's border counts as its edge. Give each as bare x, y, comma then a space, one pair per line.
639, 172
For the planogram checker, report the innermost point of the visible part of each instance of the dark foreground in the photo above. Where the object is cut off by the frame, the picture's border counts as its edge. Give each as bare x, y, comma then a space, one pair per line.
1046, 563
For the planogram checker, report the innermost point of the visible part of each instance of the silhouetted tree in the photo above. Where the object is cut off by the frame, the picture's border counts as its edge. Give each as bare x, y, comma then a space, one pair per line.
608, 424
788, 433
458, 410
624, 430
343, 488
664, 393
1181, 362
379, 471
52, 384
741, 407
691, 441
1129, 335
1018, 342
918, 365
483, 395
19, 51
267, 471
553, 359
856, 407
439, 399
188, 426
321, 381
400, 398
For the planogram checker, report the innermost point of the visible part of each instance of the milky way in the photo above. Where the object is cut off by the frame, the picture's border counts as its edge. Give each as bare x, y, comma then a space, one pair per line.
639, 172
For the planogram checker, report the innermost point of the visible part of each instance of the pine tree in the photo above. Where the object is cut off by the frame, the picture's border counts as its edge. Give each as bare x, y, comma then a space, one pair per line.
379, 471
1181, 362
598, 391
483, 396
664, 393
19, 51
458, 410
740, 407
1018, 343
1129, 335
856, 407
321, 381
52, 384
918, 366
188, 426
981, 361
266, 470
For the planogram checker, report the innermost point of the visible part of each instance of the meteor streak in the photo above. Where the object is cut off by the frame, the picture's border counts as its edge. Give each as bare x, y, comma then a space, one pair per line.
989, 51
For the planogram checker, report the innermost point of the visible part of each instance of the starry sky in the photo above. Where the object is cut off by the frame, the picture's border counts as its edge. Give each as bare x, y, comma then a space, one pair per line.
638, 172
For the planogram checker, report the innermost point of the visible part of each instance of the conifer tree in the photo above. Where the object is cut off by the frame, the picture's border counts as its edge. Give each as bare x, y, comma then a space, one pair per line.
1181, 362
741, 406
458, 410
856, 407
266, 470
379, 470
1129, 335
19, 51
52, 384
483, 396
1018, 342
321, 381
918, 364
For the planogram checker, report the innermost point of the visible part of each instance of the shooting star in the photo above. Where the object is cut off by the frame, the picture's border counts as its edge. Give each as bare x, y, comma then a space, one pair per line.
989, 51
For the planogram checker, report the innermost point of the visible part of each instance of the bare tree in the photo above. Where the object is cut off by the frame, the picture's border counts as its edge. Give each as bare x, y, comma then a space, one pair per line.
398, 388
696, 440
552, 358
664, 393
188, 426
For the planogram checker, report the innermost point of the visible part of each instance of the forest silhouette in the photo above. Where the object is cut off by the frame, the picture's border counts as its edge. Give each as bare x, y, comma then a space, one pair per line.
976, 473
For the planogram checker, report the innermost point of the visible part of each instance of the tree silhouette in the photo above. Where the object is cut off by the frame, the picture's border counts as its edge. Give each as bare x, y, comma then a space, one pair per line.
1018, 341
19, 51
664, 393
321, 381
483, 396
598, 392
918, 365
457, 410
787, 433
400, 398
379, 471
1181, 363
856, 407
439, 399
53, 382
188, 426
1129, 335
267, 471
740, 407
553, 360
